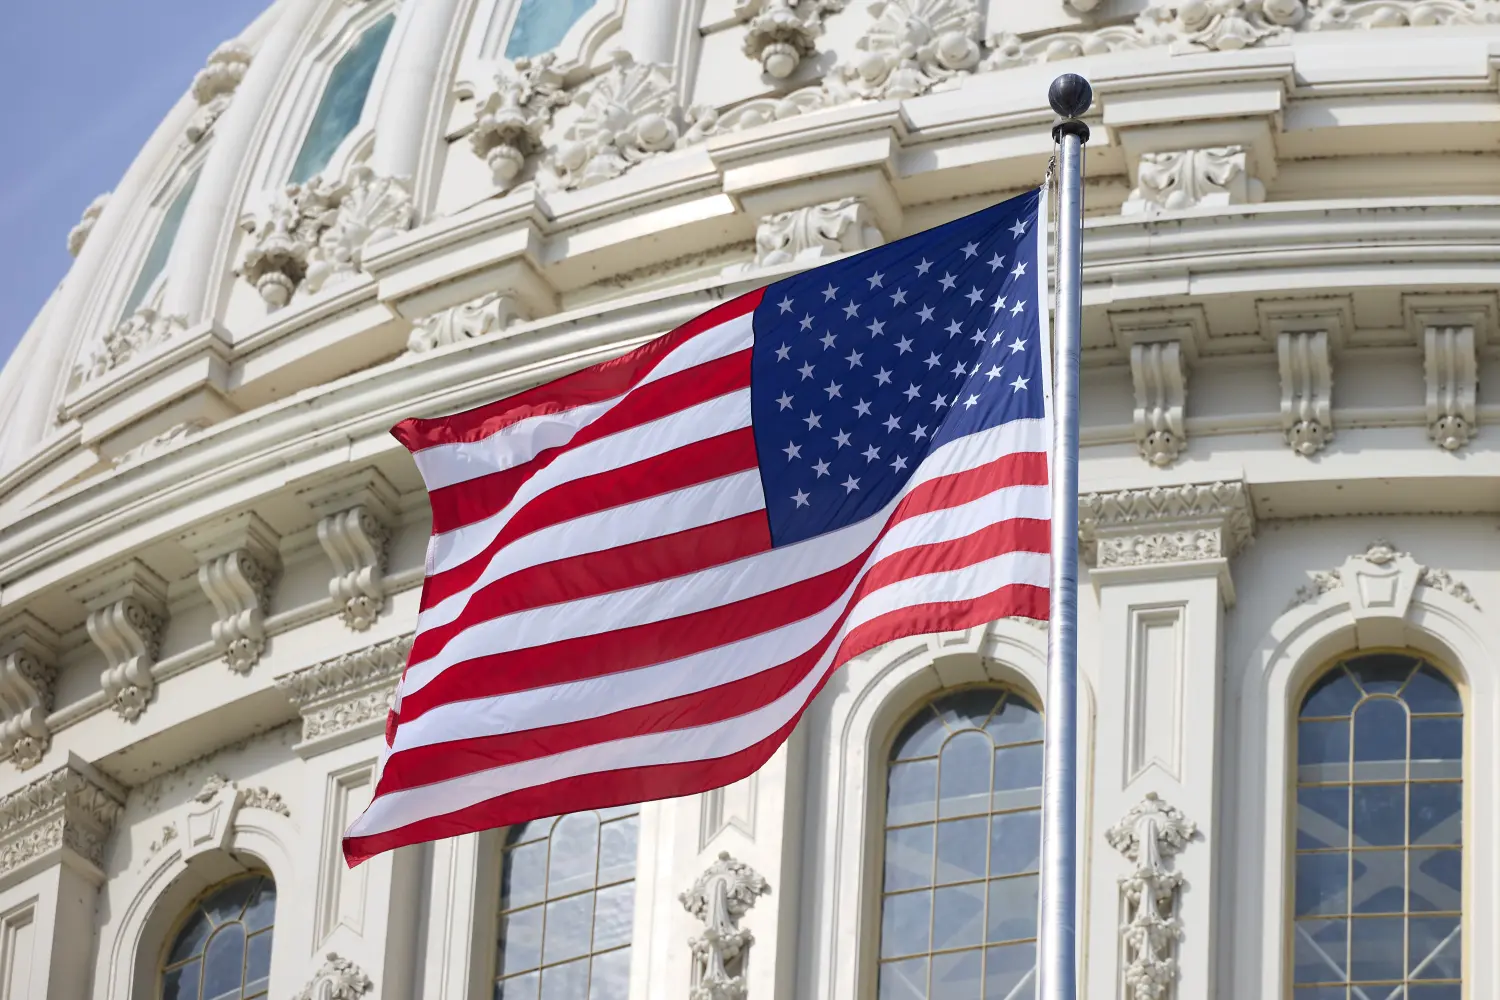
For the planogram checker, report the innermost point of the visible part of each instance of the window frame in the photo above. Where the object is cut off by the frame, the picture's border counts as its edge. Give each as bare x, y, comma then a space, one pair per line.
189, 909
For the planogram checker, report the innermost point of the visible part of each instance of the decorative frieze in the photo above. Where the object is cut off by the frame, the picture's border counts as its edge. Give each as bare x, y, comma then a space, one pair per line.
1381, 561
338, 979
1159, 374
510, 119
1148, 835
1193, 178
214, 86
161, 443
354, 527
347, 693
817, 231
1306, 390
72, 809
28, 674
133, 337
913, 47
127, 611
704, 121
626, 114
237, 563
1452, 372
779, 34
719, 898
79, 234
490, 313
1165, 524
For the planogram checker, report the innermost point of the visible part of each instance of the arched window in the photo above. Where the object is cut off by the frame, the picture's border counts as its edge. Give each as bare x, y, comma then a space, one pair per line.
1379, 856
962, 850
567, 901
161, 247
343, 100
541, 25
223, 949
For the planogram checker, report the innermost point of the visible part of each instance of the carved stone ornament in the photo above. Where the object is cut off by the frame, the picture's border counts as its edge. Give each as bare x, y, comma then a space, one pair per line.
125, 622
1452, 372
719, 898
346, 692
779, 34
1160, 378
208, 818
371, 209
1148, 835
214, 86
261, 797
238, 584
1186, 523
338, 979
135, 336
510, 119
1306, 391
28, 675
626, 114
71, 809
79, 234
1193, 178
1334, 14
490, 313
913, 47
1383, 578
161, 443
818, 231
355, 540
704, 121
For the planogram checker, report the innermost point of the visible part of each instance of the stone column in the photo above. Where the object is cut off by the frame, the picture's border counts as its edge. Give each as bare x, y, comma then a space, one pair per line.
416, 90
1159, 563
649, 31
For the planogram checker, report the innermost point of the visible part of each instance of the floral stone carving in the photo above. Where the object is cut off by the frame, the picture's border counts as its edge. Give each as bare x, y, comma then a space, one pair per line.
827, 230
510, 119
348, 691
128, 631
338, 979
781, 33
487, 314
913, 47
1189, 178
626, 114
214, 86
1382, 555
1225, 25
26, 686
1185, 523
67, 809
1148, 835
371, 209
719, 898
136, 335
79, 234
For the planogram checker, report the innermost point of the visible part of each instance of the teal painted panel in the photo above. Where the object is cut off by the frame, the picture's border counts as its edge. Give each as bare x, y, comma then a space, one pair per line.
161, 246
343, 100
541, 25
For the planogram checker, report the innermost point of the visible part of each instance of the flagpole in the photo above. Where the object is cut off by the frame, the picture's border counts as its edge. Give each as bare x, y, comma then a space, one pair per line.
1070, 96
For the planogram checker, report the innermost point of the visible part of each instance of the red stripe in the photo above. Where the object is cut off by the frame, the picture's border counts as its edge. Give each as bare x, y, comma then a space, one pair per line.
699, 462
589, 385
476, 499
629, 785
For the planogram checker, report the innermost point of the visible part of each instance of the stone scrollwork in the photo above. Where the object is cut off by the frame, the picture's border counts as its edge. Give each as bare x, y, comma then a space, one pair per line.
238, 562
913, 47
1186, 523
371, 208
1159, 375
779, 34
626, 114
490, 313
127, 611
826, 230
261, 797
1332, 14
1189, 178
1381, 559
346, 692
79, 234
1148, 835
70, 809
511, 117
135, 336
1225, 25
1452, 373
338, 979
163, 442
1306, 391
356, 541
704, 121
214, 86
719, 898
28, 675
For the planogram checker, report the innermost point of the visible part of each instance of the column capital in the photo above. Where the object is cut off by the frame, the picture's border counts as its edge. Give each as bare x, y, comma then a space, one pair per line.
66, 815
346, 698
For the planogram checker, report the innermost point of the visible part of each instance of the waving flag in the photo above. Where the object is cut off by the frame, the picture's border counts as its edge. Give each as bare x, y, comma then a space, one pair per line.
642, 573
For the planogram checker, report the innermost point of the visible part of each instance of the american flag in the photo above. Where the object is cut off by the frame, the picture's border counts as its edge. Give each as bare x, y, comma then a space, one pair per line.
641, 574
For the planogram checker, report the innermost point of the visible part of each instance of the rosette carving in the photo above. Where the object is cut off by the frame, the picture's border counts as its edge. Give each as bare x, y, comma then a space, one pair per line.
913, 47
626, 114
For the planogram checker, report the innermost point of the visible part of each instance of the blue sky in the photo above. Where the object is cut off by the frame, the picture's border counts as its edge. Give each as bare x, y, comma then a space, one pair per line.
85, 83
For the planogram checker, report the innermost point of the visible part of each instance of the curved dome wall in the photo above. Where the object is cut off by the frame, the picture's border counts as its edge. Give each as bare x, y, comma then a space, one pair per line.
364, 210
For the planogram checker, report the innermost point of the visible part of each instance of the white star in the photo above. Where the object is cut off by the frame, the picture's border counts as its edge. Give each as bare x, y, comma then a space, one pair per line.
970, 249
999, 303
783, 352
999, 336
922, 267
833, 389
1018, 229
954, 329
1019, 269
821, 468
1019, 384
793, 450
806, 322
862, 408
947, 281
875, 279
871, 453
1015, 310
899, 298
854, 359
830, 292
920, 432
912, 392
978, 337
806, 370
892, 424
883, 377
925, 312
996, 262
851, 310
974, 296
801, 498
899, 463
940, 402
785, 399
960, 370
850, 485
903, 345
1017, 345
993, 373
933, 360
969, 403
975, 369
812, 420
876, 327
786, 305
828, 339
842, 439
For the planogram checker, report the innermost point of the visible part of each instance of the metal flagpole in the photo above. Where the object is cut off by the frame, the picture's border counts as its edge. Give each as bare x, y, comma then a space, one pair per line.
1070, 96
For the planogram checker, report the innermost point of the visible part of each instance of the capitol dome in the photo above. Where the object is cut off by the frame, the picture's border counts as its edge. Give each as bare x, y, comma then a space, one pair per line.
211, 548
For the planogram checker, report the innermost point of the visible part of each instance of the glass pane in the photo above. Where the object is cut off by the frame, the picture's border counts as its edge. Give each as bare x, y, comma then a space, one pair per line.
904, 980
519, 988
1436, 881
261, 913
566, 982
1430, 691
1333, 695
967, 709
1322, 883
616, 812
610, 979
1018, 777
1437, 814
958, 976
617, 849
1321, 993
161, 246
922, 737
190, 939
224, 963
1323, 751
1433, 991
181, 983
958, 917
614, 911
524, 875
229, 902
964, 775
908, 858
1379, 815
961, 848
1010, 972
1320, 948
1376, 946
537, 829
1013, 908
343, 100
1322, 817
541, 25
520, 941
575, 852
1382, 673
1380, 741
1437, 748
258, 962
1016, 722
1434, 948
904, 924
1015, 842
569, 922
1379, 881
912, 794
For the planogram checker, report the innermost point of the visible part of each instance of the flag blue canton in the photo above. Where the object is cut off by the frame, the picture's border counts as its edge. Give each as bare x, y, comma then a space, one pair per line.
863, 366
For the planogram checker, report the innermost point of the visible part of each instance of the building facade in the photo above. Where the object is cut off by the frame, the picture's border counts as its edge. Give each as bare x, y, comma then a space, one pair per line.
364, 210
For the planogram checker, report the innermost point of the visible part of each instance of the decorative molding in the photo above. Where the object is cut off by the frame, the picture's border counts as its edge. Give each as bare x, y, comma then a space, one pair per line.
779, 34
338, 979
1165, 524
71, 809
161, 443
262, 797
914, 46
1159, 374
208, 817
1452, 371
1148, 835
705, 121
354, 527
127, 611
732, 805
79, 234
1193, 178
349, 692
1398, 574
719, 898
626, 114
1306, 390
214, 86
238, 561
817, 231
133, 337
490, 313
371, 209
1325, 15
511, 117
28, 676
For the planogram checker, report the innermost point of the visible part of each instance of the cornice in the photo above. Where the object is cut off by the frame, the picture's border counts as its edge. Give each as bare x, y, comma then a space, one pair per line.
346, 698
1191, 522
67, 815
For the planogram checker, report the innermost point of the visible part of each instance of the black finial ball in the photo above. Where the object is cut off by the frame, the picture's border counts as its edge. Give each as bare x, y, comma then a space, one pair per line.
1070, 95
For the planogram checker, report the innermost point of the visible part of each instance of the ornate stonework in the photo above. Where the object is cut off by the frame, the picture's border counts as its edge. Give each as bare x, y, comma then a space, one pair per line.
1148, 835
1451, 368
161, 443
262, 797
349, 691
1159, 375
79, 234
1306, 391
719, 898
1382, 555
626, 114
127, 611
1193, 178
356, 542
238, 561
135, 336
1165, 524
815, 232
338, 979
511, 118
67, 809
28, 676
913, 47
779, 34
214, 86
490, 313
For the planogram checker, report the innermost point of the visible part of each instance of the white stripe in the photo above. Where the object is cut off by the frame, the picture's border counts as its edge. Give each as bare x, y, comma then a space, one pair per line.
395, 809
520, 442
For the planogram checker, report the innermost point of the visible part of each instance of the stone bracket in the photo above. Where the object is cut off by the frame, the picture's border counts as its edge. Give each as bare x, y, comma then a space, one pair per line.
238, 561
1159, 374
1306, 390
28, 674
127, 612
355, 519
1452, 372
